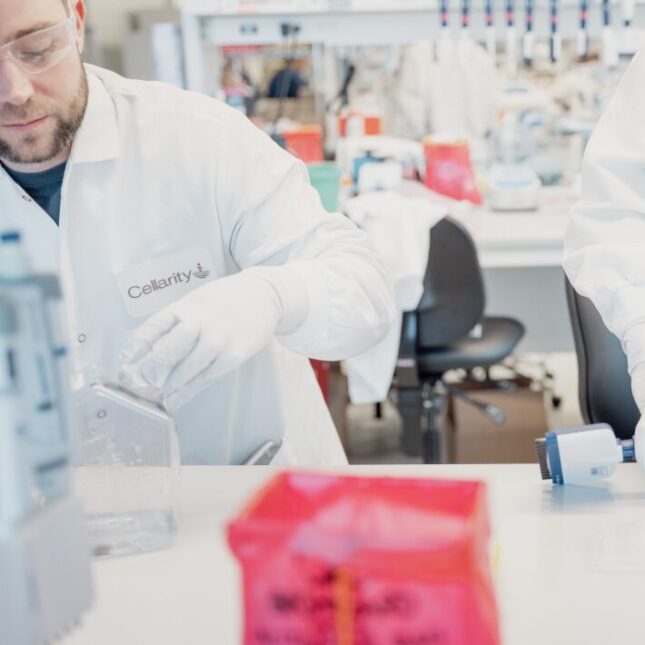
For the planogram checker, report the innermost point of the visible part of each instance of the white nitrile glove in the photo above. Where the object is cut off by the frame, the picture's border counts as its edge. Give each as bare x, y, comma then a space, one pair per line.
186, 346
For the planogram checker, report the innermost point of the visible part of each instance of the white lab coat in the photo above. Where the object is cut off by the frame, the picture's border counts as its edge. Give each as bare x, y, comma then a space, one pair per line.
605, 241
156, 172
453, 92
399, 228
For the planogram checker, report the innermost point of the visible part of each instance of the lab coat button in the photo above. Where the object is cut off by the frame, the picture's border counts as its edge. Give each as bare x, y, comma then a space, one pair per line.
27, 198
82, 338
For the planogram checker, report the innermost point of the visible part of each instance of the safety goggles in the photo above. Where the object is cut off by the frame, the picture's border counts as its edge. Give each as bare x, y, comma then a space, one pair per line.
41, 50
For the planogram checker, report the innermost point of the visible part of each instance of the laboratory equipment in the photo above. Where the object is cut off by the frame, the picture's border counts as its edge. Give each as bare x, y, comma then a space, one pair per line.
513, 187
385, 175
45, 582
40, 363
628, 7
608, 38
128, 470
449, 169
444, 20
513, 183
264, 455
555, 39
325, 178
353, 153
491, 43
465, 17
582, 454
630, 38
511, 39
528, 37
582, 43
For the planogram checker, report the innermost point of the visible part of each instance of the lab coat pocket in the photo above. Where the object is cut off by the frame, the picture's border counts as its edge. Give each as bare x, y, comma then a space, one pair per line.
155, 283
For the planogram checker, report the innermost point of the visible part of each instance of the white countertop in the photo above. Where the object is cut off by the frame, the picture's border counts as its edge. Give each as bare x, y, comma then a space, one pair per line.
522, 239
571, 567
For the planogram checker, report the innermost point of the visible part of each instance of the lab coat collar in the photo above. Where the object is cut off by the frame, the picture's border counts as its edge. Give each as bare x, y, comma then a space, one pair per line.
98, 137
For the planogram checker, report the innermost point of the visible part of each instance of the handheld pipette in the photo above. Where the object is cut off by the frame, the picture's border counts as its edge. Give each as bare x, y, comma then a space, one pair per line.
609, 45
491, 44
511, 39
583, 35
44, 555
582, 454
444, 18
630, 39
442, 44
628, 12
555, 41
465, 17
529, 36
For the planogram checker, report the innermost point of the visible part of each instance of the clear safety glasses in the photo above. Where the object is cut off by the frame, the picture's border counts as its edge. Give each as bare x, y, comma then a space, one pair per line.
40, 50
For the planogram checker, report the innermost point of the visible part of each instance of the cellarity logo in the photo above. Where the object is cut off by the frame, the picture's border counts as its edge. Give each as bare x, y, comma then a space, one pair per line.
156, 284
201, 273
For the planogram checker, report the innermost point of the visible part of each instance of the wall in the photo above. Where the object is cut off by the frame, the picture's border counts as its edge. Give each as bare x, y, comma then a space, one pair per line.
109, 24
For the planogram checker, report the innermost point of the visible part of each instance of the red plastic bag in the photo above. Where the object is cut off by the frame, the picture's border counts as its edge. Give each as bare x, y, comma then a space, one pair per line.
449, 171
332, 560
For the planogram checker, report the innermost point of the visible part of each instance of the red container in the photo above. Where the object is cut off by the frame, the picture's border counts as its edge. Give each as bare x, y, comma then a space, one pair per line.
305, 143
449, 171
331, 560
321, 370
372, 124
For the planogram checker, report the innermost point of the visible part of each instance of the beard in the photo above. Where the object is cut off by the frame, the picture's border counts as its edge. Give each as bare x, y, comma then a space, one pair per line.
43, 148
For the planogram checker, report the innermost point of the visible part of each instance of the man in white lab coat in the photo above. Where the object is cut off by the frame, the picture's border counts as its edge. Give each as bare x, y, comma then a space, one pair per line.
196, 260
605, 244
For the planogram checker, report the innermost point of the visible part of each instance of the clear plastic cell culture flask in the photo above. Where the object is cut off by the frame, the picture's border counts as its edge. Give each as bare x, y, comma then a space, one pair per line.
128, 470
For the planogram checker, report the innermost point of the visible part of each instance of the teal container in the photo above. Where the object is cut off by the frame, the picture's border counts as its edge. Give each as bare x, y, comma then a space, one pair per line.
325, 178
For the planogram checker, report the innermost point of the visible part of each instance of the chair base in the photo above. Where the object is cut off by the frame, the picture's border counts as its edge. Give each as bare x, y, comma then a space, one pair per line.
423, 434
424, 420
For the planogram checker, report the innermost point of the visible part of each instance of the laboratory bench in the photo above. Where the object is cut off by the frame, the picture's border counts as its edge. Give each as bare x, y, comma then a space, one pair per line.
570, 561
521, 258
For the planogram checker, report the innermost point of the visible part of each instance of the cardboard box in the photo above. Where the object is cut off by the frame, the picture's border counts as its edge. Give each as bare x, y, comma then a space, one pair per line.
475, 439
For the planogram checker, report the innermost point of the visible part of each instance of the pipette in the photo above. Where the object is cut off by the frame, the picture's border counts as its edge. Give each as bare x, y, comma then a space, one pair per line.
583, 35
465, 17
609, 45
511, 39
628, 12
442, 46
582, 454
444, 19
491, 44
555, 40
529, 36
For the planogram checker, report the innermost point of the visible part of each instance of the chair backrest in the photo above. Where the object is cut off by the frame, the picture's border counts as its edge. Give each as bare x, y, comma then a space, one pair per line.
604, 385
453, 298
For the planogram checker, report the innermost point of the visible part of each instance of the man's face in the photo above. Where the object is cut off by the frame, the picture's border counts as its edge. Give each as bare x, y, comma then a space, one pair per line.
39, 112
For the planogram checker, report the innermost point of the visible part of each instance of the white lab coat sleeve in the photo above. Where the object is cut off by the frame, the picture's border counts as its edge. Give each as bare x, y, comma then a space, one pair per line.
273, 217
605, 240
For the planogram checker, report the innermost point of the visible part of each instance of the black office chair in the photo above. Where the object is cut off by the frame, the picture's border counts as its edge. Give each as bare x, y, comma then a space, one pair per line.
447, 332
604, 385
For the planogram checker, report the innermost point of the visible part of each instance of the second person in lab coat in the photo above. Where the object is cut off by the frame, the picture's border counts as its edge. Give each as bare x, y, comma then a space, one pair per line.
605, 243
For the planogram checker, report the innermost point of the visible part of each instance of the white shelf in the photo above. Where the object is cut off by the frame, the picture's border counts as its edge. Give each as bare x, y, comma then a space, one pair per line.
272, 7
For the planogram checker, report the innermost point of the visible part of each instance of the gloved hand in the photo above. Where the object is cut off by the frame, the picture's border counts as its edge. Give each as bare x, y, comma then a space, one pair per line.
211, 331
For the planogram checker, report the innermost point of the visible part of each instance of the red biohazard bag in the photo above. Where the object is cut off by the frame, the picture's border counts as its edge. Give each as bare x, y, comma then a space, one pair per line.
449, 170
330, 560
